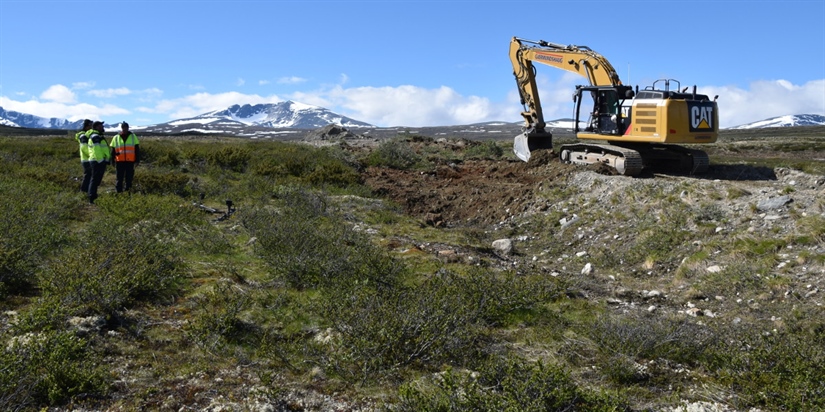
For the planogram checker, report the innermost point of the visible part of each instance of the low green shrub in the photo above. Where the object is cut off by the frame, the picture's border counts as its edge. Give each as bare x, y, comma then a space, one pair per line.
335, 174
234, 158
166, 216
506, 384
775, 371
31, 229
622, 342
161, 182
508, 297
384, 329
488, 150
160, 154
217, 319
307, 165
47, 368
395, 154
310, 246
110, 269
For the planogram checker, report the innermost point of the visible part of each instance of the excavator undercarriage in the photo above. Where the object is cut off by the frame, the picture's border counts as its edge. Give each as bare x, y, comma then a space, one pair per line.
630, 160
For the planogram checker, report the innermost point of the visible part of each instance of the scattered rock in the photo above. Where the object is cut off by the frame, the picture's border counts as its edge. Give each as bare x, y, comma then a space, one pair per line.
434, 219
503, 247
773, 203
654, 294
84, 326
565, 222
331, 132
714, 269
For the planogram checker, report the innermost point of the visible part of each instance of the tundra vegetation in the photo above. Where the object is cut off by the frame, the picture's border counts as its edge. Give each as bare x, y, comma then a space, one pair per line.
320, 292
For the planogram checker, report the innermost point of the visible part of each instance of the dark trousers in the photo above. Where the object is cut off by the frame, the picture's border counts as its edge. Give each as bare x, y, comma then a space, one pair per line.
98, 170
124, 172
87, 176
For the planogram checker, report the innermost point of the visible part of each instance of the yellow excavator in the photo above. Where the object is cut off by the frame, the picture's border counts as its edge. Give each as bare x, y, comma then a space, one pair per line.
639, 128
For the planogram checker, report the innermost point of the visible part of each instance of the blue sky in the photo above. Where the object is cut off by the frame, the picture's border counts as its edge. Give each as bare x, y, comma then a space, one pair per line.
395, 63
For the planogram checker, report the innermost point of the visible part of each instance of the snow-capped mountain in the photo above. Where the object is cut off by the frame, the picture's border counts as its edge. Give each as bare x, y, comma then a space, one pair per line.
280, 115
17, 119
790, 120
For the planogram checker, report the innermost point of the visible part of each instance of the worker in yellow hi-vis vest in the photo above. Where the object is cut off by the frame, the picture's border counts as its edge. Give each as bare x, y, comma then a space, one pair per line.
82, 138
99, 155
126, 154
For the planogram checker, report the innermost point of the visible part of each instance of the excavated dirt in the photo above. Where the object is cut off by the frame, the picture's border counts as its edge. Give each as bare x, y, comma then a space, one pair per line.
485, 192
467, 193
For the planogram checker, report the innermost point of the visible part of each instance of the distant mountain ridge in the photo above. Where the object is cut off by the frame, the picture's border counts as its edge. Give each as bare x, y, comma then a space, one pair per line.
287, 114
276, 118
17, 119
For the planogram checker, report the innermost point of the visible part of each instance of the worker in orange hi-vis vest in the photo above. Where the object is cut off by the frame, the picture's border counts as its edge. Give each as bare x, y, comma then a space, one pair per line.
126, 154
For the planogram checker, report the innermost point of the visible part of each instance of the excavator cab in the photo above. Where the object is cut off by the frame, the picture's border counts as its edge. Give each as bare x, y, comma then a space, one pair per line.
608, 114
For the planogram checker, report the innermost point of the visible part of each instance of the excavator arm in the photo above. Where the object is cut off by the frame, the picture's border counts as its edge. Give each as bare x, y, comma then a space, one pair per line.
577, 59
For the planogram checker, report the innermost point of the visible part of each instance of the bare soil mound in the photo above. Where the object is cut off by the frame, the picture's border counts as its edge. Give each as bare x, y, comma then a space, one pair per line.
468, 193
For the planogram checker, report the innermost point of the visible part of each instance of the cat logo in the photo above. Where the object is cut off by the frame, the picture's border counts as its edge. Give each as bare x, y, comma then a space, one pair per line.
701, 116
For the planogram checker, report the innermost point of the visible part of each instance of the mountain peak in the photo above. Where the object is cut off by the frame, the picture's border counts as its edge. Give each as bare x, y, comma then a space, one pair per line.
789, 120
286, 114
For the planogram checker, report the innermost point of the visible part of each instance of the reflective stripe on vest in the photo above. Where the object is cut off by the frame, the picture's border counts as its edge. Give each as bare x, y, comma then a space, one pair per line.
125, 154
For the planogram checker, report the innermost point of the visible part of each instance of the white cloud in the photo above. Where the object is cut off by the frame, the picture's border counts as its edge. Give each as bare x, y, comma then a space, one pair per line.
402, 106
196, 104
152, 92
291, 80
767, 98
240, 82
108, 93
59, 94
83, 85
59, 110
414, 106
263, 82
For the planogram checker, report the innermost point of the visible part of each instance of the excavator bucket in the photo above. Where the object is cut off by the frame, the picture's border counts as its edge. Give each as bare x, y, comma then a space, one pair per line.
528, 142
